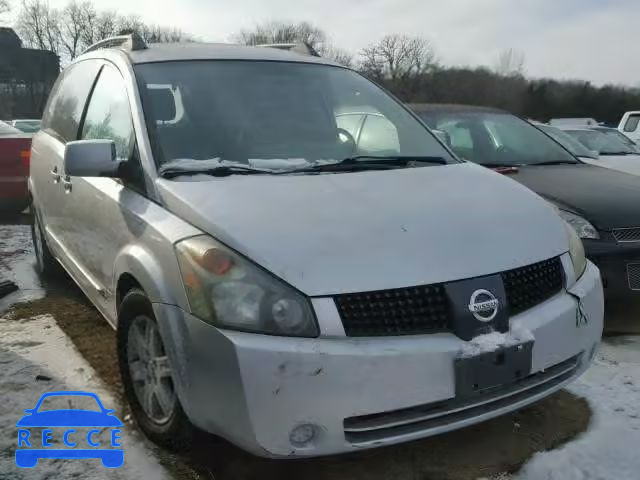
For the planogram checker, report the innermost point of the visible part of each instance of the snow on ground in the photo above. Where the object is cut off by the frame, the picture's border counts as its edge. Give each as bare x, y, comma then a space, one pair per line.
16, 264
610, 449
37, 346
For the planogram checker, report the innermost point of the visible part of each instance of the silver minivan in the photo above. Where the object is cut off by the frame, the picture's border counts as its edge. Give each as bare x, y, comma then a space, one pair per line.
291, 259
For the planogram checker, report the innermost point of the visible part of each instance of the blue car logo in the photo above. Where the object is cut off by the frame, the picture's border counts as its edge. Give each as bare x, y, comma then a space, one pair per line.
29, 452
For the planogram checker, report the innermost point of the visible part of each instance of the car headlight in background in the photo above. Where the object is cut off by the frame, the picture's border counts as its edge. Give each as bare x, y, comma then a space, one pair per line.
576, 252
226, 290
582, 227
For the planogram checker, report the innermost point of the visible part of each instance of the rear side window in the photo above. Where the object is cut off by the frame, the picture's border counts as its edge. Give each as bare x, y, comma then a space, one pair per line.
109, 115
632, 123
64, 110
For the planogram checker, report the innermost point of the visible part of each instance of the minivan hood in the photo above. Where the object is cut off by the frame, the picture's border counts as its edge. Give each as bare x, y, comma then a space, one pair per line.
605, 197
354, 232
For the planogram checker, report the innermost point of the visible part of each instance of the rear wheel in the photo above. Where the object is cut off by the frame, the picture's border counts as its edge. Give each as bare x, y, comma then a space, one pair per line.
46, 264
146, 374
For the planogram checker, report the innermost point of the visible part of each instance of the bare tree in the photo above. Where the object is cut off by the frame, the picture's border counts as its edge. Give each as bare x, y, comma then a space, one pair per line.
39, 25
398, 58
336, 54
78, 25
283, 32
75, 20
159, 34
510, 63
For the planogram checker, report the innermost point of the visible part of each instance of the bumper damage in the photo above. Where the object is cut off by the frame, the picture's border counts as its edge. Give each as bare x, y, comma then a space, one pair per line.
265, 393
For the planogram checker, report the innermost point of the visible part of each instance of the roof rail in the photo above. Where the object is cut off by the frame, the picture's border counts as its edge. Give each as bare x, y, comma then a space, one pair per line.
130, 42
301, 47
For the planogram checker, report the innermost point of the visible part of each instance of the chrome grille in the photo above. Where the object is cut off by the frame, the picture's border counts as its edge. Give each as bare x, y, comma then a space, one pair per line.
627, 235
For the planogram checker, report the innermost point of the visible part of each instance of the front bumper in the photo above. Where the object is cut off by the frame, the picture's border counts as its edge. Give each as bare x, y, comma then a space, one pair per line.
360, 392
618, 264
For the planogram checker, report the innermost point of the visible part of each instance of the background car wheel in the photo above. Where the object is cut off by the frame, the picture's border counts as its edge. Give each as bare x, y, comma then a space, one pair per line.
13, 208
147, 376
46, 264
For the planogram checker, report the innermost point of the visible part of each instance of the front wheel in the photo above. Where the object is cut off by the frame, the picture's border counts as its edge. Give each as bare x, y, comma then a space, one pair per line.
147, 375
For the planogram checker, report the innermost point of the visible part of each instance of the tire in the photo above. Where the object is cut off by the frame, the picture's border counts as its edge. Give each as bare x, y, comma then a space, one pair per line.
13, 208
46, 263
175, 431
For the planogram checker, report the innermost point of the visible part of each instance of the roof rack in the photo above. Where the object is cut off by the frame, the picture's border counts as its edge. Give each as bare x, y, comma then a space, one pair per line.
130, 42
301, 47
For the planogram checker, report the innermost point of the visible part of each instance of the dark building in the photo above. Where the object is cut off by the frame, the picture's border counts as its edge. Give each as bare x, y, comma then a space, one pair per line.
26, 77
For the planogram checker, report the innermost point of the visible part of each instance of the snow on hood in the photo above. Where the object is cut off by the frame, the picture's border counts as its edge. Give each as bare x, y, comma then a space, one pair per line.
363, 231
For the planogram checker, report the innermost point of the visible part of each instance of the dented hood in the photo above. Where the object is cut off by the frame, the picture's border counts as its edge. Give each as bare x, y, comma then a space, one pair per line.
353, 232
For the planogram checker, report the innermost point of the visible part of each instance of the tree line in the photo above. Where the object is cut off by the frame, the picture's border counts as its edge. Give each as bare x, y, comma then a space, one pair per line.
408, 66
70, 30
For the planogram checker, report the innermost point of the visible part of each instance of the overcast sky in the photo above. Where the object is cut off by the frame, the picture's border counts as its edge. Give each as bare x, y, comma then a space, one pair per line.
583, 39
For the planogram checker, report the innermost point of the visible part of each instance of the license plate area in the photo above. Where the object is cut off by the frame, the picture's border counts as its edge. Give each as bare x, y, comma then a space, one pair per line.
483, 373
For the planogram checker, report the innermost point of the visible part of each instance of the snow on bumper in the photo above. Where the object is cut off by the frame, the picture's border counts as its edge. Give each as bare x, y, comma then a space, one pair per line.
255, 390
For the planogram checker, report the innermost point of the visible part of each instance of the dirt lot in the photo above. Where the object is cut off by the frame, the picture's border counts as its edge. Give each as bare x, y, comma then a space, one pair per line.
490, 450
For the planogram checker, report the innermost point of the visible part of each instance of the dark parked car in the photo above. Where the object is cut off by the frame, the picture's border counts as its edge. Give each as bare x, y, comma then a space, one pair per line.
601, 204
15, 153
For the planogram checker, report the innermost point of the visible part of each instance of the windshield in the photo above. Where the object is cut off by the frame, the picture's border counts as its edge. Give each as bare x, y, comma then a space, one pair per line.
493, 138
567, 141
620, 136
27, 126
601, 143
274, 115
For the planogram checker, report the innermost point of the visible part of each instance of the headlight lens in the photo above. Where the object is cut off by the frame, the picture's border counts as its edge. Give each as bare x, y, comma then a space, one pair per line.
576, 251
228, 291
582, 227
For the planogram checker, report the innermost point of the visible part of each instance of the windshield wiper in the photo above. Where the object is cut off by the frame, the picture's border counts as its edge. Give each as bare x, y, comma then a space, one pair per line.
370, 162
500, 165
553, 162
219, 171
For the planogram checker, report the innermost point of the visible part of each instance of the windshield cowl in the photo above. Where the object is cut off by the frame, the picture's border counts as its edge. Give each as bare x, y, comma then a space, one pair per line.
218, 167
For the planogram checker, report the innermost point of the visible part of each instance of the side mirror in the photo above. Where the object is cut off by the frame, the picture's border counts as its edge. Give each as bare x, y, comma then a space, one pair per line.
91, 158
443, 136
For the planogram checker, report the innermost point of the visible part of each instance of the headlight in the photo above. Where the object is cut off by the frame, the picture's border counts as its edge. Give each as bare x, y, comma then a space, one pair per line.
228, 291
582, 227
576, 251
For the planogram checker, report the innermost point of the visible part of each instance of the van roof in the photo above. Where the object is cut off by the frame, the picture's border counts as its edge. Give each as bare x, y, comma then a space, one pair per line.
167, 52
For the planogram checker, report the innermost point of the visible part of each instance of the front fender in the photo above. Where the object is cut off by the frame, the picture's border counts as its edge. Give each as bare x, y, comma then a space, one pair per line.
160, 281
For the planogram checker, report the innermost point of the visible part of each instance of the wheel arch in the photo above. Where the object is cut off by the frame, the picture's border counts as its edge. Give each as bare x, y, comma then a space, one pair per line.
136, 267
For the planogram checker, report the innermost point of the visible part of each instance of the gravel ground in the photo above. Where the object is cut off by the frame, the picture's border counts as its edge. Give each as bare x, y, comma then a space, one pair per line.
495, 449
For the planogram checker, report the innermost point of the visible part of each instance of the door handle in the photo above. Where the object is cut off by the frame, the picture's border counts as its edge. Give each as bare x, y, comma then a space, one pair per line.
66, 182
56, 176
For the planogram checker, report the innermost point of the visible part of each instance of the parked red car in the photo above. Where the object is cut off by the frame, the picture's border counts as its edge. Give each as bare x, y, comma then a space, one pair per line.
15, 153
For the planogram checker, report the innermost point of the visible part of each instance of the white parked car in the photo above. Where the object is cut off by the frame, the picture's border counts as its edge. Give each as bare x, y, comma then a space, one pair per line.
630, 125
612, 152
573, 122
